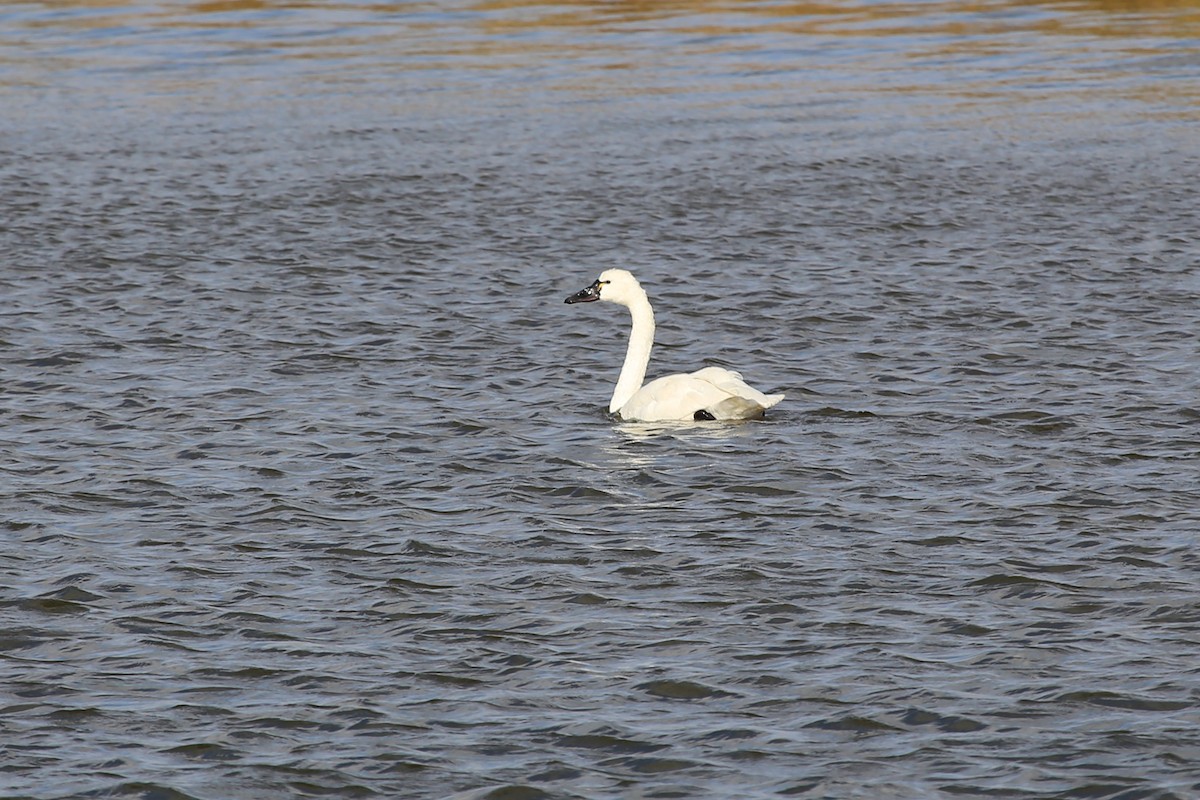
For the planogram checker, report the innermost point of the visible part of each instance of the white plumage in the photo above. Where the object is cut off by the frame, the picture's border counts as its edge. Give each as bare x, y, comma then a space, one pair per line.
709, 393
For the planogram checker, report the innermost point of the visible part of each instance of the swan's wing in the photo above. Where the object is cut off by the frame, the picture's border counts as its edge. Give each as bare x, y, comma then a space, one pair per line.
719, 392
731, 384
671, 397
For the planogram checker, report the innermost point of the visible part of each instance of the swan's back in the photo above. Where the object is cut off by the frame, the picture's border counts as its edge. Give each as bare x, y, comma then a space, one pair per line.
710, 393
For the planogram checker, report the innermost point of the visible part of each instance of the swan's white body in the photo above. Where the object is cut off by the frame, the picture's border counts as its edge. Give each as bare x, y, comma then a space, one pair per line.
710, 393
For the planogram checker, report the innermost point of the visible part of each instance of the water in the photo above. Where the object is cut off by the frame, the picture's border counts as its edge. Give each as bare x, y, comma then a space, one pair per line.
307, 487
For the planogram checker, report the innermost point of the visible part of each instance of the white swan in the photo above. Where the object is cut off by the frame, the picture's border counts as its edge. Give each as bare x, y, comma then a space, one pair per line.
710, 393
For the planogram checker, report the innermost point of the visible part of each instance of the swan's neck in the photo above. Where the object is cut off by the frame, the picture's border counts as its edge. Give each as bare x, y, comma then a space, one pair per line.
641, 339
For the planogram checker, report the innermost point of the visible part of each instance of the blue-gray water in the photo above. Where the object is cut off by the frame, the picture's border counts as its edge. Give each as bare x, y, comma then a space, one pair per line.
307, 488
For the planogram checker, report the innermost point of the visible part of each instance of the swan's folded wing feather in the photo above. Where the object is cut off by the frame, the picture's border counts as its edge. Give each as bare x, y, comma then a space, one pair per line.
732, 408
731, 383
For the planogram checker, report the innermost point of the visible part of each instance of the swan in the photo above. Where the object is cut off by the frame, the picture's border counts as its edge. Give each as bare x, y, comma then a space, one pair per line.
712, 393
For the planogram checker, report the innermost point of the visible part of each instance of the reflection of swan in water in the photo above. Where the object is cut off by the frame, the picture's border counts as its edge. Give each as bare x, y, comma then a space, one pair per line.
635, 434
709, 394
647, 463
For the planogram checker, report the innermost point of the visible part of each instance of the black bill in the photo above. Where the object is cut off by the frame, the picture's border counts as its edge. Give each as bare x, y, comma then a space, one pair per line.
588, 295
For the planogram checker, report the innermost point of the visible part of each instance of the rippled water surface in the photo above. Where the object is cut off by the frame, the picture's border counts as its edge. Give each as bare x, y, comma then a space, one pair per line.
307, 488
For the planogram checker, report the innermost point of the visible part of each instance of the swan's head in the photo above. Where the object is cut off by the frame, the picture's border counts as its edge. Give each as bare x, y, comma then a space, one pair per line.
613, 285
